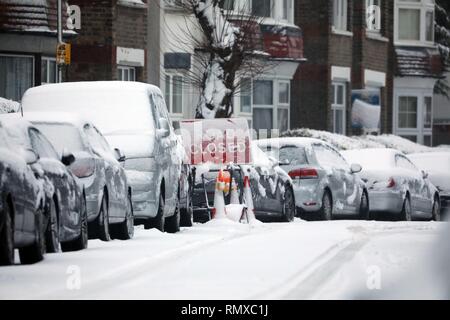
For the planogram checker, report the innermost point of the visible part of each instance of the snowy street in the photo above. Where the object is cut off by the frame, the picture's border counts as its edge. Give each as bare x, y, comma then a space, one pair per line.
224, 260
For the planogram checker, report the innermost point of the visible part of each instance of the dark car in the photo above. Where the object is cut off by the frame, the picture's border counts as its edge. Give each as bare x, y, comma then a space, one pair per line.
98, 168
272, 191
21, 204
65, 214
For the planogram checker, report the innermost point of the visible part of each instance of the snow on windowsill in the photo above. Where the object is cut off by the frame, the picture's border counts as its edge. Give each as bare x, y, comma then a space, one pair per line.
132, 4
374, 35
341, 32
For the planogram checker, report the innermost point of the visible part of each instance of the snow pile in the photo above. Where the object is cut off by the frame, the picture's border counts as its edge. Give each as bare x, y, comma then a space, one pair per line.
8, 106
361, 142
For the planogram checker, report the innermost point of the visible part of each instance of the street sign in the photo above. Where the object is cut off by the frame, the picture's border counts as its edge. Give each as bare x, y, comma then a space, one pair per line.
63, 54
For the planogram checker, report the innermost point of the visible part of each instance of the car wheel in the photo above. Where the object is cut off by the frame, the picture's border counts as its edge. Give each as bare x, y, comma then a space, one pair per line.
436, 209
326, 212
52, 231
289, 210
81, 242
125, 230
364, 210
158, 221
172, 224
406, 214
35, 252
187, 215
103, 221
7, 238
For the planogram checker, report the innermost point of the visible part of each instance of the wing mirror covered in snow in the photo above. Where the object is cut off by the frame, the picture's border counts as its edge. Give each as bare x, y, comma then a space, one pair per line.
31, 157
120, 156
356, 168
425, 174
164, 128
67, 158
284, 162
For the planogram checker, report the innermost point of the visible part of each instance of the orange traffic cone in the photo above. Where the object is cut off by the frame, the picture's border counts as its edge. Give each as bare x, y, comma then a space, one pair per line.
219, 200
249, 200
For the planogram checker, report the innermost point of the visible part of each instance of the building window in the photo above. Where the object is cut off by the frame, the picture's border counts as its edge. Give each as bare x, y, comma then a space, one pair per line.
262, 8
228, 4
263, 92
126, 73
338, 107
49, 71
340, 8
407, 112
428, 113
414, 21
174, 93
284, 100
246, 95
373, 8
16, 76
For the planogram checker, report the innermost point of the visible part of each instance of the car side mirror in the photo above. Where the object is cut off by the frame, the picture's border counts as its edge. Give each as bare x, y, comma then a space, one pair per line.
120, 156
67, 158
425, 174
164, 128
31, 157
356, 168
284, 162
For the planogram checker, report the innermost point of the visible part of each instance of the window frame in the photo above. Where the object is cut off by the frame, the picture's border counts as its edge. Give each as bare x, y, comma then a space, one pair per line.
340, 19
122, 68
169, 104
335, 106
48, 70
424, 7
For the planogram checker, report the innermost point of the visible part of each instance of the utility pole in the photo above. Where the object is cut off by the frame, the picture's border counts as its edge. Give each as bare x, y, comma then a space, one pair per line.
60, 36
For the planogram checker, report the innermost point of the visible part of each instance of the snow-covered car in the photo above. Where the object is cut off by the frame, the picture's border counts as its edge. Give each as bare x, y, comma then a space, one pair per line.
65, 216
396, 186
22, 202
325, 185
133, 117
272, 190
97, 167
437, 166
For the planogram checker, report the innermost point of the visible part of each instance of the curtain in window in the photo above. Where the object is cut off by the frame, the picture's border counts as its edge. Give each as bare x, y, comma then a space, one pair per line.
409, 24
263, 92
283, 120
262, 119
16, 76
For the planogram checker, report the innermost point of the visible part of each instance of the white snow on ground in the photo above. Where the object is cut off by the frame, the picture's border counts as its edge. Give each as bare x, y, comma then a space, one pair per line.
226, 260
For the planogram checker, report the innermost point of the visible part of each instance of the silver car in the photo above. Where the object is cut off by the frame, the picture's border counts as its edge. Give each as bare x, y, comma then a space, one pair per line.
108, 196
325, 185
396, 186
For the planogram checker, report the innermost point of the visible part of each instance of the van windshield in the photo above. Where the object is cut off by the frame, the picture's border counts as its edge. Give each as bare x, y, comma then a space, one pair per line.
112, 112
62, 136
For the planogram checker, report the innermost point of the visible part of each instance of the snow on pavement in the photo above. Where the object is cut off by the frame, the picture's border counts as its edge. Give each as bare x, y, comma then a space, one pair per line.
226, 260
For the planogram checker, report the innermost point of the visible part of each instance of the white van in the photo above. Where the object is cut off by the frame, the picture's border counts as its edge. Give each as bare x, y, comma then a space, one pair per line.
134, 119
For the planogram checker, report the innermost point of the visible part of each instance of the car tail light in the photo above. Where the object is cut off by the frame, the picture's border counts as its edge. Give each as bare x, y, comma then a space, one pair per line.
304, 174
83, 168
391, 183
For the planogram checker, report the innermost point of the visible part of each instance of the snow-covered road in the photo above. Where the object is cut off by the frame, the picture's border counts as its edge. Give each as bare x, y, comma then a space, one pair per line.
225, 260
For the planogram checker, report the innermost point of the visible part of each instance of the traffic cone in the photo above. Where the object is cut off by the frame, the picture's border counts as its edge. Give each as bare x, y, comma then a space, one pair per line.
249, 200
234, 198
219, 200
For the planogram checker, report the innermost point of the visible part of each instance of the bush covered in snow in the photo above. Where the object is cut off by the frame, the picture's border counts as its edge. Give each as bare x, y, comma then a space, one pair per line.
8, 106
360, 142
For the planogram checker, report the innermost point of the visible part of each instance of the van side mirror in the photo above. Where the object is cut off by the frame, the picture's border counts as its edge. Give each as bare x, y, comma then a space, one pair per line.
31, 157
120, 156
67, 158
164, 128
356, 168
425, 175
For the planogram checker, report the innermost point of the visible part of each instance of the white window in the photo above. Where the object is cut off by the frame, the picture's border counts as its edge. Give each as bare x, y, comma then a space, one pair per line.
174, 94
428, 113
414, 21
126, 73
16, 75
407, 112
286, 10
284, 102
49, 71
246, 95
338, 107
340, 8
373, 15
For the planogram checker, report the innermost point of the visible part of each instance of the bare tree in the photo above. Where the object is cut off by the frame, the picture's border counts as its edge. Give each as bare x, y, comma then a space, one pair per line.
228, 47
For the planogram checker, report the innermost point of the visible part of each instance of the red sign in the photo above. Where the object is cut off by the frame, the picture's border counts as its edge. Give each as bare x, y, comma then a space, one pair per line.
217, 141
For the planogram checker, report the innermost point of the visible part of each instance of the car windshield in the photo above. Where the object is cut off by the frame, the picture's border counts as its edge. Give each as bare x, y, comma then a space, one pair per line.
62, 136
289, 155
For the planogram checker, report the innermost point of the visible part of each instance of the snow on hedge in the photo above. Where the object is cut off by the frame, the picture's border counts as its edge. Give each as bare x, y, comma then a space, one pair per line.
361, 142
8, 106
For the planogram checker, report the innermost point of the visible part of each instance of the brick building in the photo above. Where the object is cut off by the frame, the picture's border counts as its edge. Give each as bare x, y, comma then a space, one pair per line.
28, 45
347, 75
112, 42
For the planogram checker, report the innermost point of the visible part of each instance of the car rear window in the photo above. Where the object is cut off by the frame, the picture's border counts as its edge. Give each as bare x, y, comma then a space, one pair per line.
294, 155
62, 136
